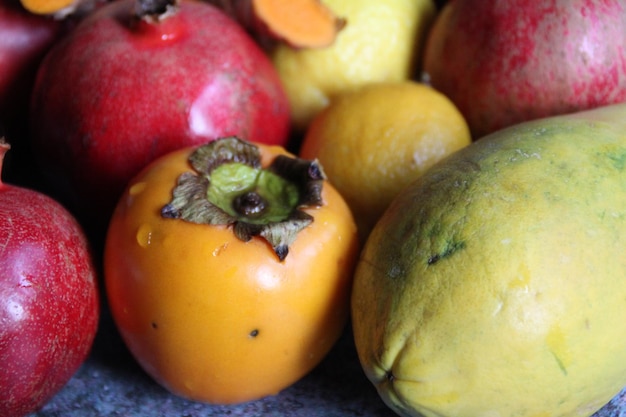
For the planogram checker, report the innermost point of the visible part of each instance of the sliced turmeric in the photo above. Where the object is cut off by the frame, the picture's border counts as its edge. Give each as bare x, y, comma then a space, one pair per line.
300, 23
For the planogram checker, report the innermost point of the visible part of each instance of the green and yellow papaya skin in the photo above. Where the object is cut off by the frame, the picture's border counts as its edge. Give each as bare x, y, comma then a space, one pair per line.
495, 285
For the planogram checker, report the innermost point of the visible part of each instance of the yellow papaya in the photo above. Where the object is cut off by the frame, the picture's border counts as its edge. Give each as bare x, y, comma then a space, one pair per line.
495, 284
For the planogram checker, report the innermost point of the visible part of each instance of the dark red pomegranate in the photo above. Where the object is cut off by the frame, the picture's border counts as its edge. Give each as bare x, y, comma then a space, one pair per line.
134, 81
49, 305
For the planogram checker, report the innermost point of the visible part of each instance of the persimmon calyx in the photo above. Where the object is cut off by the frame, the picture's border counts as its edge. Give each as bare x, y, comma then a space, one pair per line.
228, 186
156, 10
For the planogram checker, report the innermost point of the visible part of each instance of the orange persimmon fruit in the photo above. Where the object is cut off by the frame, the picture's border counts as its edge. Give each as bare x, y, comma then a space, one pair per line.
228, 313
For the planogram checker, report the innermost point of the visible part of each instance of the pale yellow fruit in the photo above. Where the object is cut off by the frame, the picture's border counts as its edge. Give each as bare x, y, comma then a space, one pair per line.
495, 285
382, 41
374, 141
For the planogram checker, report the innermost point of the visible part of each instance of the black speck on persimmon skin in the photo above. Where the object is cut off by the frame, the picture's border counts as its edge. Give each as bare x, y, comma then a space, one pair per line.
254, 333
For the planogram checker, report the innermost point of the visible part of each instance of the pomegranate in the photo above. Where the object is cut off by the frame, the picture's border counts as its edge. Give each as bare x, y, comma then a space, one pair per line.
49, 305
508, 61
137, 79
24, 39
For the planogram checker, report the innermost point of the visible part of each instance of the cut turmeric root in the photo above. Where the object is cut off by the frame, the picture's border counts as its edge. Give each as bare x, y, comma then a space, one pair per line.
300, 23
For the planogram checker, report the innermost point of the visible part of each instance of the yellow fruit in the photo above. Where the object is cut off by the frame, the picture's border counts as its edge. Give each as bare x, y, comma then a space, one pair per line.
374, 141
382, 41
495, 285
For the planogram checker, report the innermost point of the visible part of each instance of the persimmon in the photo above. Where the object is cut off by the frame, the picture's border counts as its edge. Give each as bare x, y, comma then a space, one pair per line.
228, 269
51, 7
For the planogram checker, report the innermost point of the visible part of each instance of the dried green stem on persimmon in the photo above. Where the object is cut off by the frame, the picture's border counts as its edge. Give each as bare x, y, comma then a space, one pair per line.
228, 186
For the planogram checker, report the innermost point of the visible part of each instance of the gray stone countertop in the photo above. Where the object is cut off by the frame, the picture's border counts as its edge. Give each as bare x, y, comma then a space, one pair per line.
111, 384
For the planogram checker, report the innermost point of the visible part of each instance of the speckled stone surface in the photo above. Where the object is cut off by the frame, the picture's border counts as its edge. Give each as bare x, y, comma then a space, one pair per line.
110, 384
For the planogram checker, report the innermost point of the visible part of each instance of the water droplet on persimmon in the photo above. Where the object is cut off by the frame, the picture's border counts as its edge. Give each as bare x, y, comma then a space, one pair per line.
144, 235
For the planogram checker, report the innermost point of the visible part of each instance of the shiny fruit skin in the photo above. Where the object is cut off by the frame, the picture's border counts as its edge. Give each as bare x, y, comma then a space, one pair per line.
215, 319
509, 61
119, 92
49, 304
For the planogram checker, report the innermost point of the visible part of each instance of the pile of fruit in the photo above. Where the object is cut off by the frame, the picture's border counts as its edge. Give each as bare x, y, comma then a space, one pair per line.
236, 181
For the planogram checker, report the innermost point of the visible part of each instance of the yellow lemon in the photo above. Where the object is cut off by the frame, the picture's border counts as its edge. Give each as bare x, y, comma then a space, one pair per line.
382, 41
374, 141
